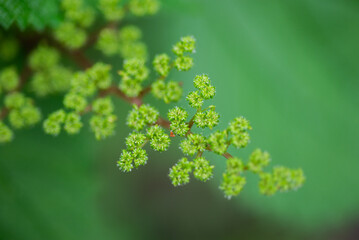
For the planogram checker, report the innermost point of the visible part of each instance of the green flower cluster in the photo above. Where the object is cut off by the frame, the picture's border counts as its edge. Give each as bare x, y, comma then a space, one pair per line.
159, 140
185, 45
205, 91
281, 179
178, 117
112, 10
70, 121
143, 7
172, 91
71, 32
133, 74
233, 183
50, 77
126, 42
168, 92
141, 116
138, 118
84, 85
22, 113
21, 110
9, 79
103, 121
179, 173
194, 143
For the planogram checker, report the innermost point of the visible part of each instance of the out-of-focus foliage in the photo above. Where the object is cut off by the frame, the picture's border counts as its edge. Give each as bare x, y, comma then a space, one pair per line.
36, 13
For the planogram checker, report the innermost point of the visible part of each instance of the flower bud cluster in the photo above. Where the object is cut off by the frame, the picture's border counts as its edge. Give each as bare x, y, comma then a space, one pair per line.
185, 45
281, 179
111, 9
49, 77
178, 117
71, 32
232, 183
126, 42
141, 116
21, 110
179, 173
143, 7
83, 87
133, 74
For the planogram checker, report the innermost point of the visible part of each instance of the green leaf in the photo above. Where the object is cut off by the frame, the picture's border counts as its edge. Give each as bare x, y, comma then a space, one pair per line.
24, 13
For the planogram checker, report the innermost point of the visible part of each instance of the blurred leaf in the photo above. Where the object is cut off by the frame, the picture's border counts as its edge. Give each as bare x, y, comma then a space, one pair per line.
24, 13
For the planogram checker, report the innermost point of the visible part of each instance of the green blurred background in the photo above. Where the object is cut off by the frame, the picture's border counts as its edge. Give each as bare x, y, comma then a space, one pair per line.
290, 67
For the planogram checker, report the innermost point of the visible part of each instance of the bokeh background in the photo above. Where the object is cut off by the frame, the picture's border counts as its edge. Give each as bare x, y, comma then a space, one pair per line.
290, 67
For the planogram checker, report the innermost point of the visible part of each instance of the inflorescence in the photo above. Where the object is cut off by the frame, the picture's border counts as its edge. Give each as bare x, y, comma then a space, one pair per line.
92, 91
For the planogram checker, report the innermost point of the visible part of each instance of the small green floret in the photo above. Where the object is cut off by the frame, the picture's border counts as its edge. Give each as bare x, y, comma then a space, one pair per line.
258, 160
161, 64
195, 100
135, 140
75, 101
218, 142
125, 161
202, 169
232, 184
52, 125
177, 114
185, 45
179, 173
103, 126
193, 144
159, 140
100, 74
144, 7
103, 106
